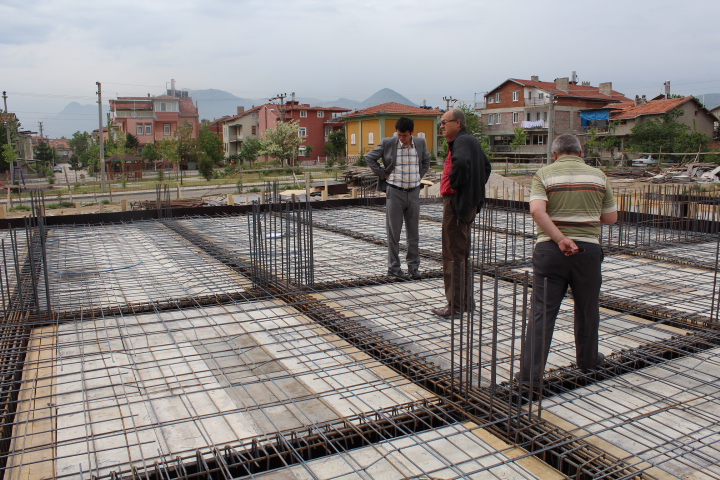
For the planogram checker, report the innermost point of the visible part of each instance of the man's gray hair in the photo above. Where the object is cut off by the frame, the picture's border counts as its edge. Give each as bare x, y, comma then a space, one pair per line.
567, 145
458, 114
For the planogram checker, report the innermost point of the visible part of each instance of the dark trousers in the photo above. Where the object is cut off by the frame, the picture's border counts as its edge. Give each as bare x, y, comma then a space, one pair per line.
402, 206
455, 252
582, 273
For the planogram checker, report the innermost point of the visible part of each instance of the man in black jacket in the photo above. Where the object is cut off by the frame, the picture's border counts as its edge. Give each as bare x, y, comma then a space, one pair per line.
462, 187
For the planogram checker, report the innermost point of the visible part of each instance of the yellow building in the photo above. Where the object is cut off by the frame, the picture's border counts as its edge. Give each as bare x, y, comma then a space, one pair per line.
365, 128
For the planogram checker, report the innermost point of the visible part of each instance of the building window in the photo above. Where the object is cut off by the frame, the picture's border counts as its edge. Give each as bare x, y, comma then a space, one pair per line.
253, 130
537, 116
139, 129
253, 115
148, 129
541, 95
352, 139
321, 114
490, 100
528, 117
303, 113
497, 98
515, 117
421, 134
166, 129
302, 151
328, 131
302, 132
515, 96
490, 118
163, 107
545, 116
371, 138
497, 119
530, 95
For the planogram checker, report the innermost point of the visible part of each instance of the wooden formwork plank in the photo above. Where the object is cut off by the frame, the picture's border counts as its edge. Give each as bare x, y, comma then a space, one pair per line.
32, 449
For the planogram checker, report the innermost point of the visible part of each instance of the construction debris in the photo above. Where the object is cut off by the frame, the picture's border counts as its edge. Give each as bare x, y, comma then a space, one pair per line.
692, 172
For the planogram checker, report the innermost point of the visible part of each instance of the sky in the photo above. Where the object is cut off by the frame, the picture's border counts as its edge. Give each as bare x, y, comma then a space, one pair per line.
53, 52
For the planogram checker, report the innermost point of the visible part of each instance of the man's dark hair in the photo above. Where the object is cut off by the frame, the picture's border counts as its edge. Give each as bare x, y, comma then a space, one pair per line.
567, 145
405, 124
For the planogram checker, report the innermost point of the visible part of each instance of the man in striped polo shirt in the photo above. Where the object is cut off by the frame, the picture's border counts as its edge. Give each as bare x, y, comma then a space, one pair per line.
569, 201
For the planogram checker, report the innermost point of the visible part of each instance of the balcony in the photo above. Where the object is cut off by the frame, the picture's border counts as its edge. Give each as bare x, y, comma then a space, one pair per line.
534, 124
537, 102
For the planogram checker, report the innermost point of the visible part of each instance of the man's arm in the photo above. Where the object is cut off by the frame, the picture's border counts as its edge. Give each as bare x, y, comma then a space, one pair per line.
609, 218
538, 210
372, 160
424, 159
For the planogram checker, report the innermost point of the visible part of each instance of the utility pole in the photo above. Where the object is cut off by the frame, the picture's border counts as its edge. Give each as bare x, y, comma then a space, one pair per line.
281, 97
447, 102
551, 129
100, 135
41, 130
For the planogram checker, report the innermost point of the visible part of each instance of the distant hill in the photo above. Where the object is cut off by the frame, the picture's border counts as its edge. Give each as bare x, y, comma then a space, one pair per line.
73, 118
711, 100
212, 104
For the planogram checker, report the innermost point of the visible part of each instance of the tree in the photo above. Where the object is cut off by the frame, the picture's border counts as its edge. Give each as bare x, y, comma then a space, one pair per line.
666, 135
336, 145
211, 145
151, 153
249, 150
168, 148
46, 154
205, 165
186, 145
80, 144
519, 139
131, 143
282, 142
9, 156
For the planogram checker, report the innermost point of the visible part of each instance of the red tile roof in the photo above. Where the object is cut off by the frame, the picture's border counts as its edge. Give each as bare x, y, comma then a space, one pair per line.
188, 108
576, 91
653, 107
251, 110
394, 108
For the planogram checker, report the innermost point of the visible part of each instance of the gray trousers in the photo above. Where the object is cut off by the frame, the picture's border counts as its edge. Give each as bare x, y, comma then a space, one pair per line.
402, 206
582, 273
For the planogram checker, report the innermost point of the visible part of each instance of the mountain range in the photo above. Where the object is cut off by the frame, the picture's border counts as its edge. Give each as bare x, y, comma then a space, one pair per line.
212, 104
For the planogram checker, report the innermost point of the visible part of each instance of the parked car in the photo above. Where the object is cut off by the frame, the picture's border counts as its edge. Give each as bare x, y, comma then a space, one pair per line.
645, 161
58, 169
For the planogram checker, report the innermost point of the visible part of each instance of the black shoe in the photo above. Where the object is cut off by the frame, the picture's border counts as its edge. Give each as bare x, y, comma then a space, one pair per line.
398, 274
600, 362
536, 382
414, 272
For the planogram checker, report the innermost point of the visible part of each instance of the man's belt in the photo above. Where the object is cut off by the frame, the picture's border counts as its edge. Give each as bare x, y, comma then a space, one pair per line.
403, 189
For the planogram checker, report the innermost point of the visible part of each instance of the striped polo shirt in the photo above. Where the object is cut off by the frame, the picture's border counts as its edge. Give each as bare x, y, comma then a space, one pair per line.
576, 195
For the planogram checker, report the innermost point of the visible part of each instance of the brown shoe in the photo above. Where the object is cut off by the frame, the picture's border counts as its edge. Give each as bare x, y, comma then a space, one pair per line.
444, 311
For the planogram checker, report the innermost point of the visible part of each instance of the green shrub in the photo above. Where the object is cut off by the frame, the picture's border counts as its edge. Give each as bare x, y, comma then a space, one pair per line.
105, 202
52, 206
20, 208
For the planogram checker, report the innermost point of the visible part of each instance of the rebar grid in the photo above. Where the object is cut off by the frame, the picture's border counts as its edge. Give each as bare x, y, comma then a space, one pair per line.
405, 325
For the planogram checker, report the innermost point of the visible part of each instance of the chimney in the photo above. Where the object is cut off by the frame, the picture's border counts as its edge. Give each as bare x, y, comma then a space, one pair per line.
585, 84
574, 79
637, 100
562, 84
606, 89
240, 110
644, 100
667, 89
534, 78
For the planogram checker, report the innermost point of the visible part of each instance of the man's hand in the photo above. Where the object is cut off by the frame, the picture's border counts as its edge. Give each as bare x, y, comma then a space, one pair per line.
568, 247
